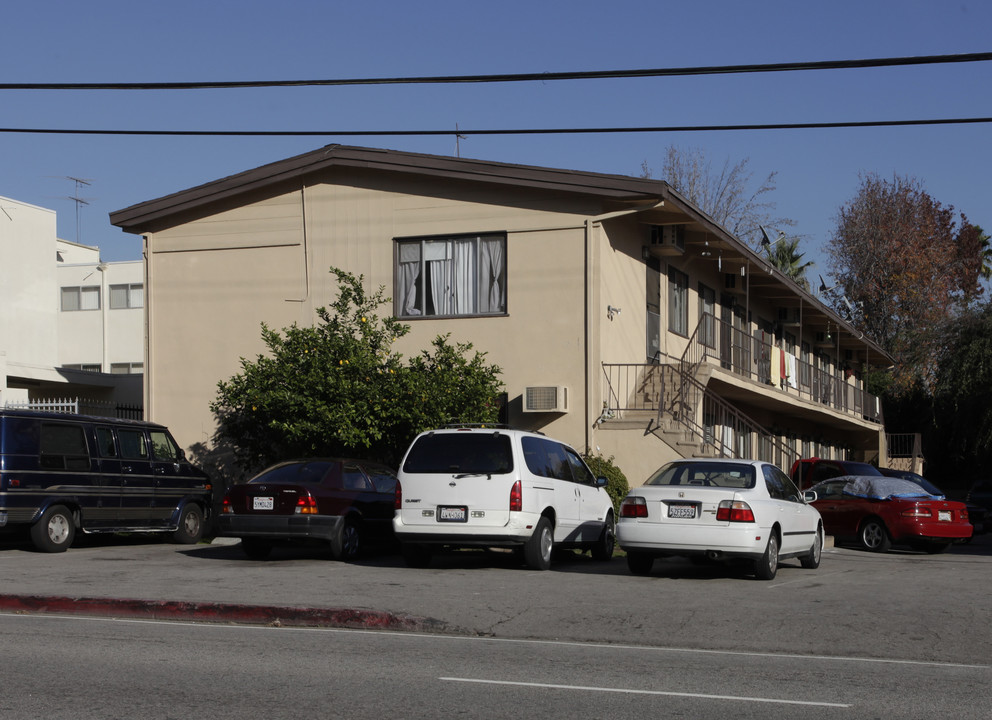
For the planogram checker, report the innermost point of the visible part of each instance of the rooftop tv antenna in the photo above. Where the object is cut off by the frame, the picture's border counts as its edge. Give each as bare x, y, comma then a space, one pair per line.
458, 138
78, 200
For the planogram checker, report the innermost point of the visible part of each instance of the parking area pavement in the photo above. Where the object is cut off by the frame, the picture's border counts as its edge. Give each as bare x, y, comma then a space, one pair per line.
901, 604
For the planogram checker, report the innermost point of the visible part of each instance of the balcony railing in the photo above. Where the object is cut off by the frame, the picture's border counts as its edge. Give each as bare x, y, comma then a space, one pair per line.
751, 357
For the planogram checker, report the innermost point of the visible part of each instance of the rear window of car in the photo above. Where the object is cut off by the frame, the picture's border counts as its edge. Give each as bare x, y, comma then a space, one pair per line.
710, 474
484, 453
308, 473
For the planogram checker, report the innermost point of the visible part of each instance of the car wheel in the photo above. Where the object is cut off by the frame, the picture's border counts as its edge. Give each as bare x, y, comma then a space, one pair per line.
55, 530
537, 551
603, 548
256, 549
766, 566
639, 563
416, 556
190, 528
812, 560
348, 544
874, 537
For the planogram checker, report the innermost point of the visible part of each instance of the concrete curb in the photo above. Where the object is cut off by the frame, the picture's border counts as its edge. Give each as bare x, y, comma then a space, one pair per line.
275, 616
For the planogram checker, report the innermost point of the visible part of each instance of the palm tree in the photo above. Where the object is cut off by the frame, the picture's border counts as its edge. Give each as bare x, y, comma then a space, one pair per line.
784, 255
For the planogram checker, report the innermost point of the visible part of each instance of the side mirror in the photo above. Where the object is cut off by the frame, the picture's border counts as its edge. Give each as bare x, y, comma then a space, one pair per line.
809, 496
601, 481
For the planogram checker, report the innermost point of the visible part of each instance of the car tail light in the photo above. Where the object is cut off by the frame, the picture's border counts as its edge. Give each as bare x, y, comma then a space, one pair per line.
634, 507
398, 497
306, 505
964, 515
516, 497
917, 512
225, 506
734, 511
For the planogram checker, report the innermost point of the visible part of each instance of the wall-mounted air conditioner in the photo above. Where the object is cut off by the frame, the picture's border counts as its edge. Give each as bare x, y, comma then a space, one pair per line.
668, 239
734, 283
545, 398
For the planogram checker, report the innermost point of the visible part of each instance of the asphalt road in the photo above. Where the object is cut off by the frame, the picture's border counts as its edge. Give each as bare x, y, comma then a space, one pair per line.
72, 667
901, 606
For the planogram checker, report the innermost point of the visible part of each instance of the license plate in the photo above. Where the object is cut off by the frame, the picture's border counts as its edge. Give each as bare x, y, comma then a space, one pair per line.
944, 515
262, 503
682, 511
452, 514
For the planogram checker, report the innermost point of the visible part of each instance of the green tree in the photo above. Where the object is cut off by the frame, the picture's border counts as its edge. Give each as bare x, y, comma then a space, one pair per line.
338, 388
962, 436
784, 254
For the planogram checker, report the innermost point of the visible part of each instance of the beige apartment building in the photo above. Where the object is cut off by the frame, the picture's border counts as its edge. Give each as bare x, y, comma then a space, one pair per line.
626, 322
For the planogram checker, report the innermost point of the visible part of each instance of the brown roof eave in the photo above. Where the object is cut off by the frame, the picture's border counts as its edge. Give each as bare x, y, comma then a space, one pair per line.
139, 218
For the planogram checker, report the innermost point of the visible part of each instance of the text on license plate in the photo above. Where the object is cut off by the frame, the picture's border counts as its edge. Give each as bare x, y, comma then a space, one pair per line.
682, 511
262, 503
943, 515
457, 513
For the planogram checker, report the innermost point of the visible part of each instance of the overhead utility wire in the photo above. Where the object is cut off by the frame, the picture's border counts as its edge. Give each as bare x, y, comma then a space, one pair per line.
520, 131
521, 77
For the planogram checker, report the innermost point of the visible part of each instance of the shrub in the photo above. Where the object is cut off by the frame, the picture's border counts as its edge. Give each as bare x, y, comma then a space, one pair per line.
616, 485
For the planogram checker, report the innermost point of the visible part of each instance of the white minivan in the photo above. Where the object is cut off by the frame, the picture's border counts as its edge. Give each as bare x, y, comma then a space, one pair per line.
486, 486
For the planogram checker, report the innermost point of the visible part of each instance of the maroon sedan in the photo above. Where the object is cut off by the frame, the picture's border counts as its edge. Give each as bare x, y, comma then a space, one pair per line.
344, 504
877, 512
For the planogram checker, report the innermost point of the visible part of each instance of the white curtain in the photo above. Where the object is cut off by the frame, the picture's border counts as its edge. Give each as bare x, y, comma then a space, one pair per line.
493, 296
409, 276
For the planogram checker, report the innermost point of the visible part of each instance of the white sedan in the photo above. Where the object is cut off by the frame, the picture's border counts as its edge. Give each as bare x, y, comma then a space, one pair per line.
720, 509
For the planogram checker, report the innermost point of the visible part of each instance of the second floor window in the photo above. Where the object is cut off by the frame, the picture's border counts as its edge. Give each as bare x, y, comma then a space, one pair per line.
451, 276
127, 296
81, 298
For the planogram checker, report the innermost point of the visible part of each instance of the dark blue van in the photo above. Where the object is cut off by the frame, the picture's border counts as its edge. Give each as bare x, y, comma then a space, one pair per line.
62, 474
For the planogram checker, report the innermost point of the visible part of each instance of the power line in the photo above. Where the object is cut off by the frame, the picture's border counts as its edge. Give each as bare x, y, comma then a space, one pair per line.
522, 77
508, 131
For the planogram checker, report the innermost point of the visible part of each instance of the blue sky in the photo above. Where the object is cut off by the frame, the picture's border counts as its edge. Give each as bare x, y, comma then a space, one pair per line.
818, 170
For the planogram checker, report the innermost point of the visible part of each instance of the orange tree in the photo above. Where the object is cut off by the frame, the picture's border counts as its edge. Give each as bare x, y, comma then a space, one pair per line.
337, 388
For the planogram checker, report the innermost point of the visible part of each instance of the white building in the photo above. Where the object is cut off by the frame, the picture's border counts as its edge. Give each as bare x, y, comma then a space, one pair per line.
71, 326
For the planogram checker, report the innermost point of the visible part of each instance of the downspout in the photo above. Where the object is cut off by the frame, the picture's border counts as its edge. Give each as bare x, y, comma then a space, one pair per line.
587, 308
147, 389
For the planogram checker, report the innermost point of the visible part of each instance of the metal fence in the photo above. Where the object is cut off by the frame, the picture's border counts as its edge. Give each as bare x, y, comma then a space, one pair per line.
81, 406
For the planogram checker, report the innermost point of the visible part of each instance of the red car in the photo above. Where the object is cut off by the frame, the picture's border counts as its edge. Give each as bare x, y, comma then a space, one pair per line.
343, 504
877, 512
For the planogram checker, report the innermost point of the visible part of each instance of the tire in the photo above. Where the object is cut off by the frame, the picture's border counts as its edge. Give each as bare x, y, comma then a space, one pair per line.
255, 548
537, 551
347, 545
874, 537
766, 567
55, 531
639, 563
190, 528
415, 555
602, 549
812, 560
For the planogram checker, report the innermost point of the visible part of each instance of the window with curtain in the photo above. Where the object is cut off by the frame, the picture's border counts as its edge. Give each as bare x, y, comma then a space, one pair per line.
127, 296
451, 276
678, 301
81, 298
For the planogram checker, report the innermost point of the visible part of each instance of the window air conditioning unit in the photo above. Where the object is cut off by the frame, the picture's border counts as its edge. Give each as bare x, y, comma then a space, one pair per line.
545, 398
734, 283
668, 239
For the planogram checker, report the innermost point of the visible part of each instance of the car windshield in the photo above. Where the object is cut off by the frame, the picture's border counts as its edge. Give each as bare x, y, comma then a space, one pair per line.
302, 473
458, 452
705, 474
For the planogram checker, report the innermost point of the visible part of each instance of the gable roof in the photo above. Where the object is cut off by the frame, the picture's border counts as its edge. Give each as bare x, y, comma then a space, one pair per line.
619, 188
621, 191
